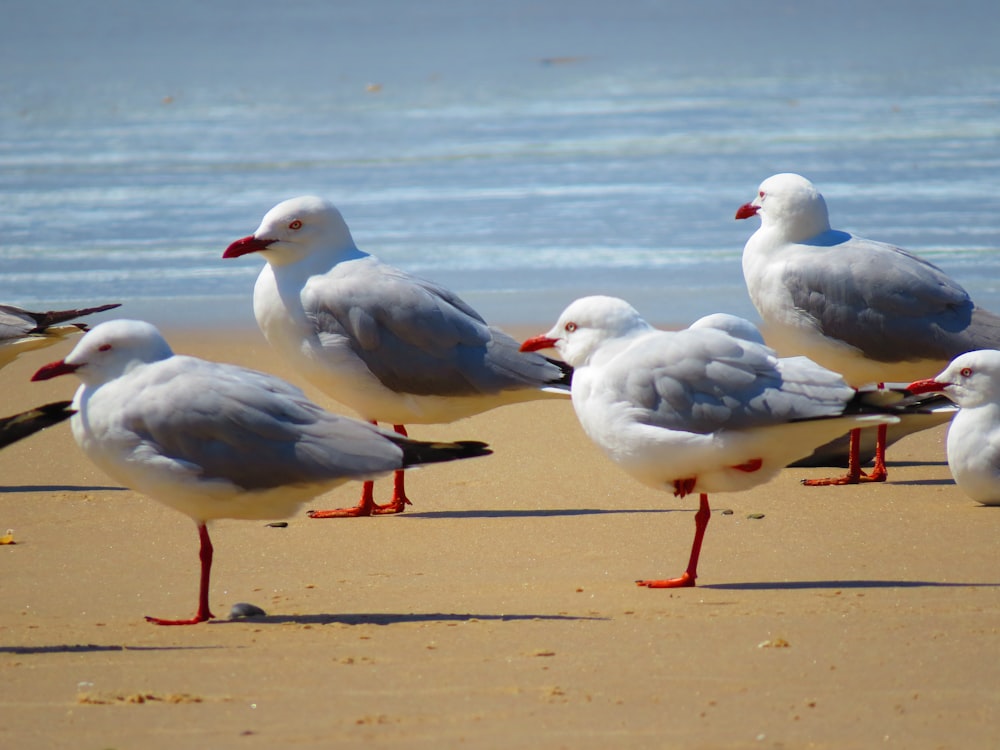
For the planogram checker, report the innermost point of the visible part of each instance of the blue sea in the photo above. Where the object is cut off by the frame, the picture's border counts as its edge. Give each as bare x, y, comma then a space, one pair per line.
522, 153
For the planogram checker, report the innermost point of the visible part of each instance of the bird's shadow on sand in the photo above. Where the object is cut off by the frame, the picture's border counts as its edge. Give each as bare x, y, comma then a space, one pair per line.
924, 482
836, 585
397, 618
535, 512
90, 648
59, 488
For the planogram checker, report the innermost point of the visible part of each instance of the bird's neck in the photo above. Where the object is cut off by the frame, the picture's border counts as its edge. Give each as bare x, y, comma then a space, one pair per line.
798, 227
314, 264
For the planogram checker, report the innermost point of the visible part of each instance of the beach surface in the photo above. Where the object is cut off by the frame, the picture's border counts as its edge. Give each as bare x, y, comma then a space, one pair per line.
500, 609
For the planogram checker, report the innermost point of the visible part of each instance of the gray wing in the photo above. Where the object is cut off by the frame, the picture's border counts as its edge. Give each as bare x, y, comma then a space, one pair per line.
705, 380
15, 323
417, 337
885, 301
249, 428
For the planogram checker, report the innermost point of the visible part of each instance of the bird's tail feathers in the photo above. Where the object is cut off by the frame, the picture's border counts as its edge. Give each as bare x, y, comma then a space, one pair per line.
417, 452
29, 422
897, 401
46, 319
566, 373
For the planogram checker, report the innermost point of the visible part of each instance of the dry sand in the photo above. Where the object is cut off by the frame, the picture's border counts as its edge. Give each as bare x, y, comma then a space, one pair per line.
499, 611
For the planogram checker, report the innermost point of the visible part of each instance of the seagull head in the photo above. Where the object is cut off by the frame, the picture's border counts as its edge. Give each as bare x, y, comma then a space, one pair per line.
586, 325
789, 204
108, 351
972, 379
296, 229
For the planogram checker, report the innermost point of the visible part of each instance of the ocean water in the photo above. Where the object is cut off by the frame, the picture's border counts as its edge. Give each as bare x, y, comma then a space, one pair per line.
522, 153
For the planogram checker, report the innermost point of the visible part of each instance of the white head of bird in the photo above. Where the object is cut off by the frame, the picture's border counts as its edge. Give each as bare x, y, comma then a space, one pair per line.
587, 324
296, 229
110, 350
971, 380
789, 205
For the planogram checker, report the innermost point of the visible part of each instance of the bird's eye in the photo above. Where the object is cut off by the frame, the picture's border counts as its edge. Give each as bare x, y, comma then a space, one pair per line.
570, 327
104, 348
295, 225
966, 372
761, 193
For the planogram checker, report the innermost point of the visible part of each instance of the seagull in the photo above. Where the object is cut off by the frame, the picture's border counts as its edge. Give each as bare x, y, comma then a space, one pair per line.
871, 311
972, 381
696, 410
394, 347
22, 330
20, 426
216, 440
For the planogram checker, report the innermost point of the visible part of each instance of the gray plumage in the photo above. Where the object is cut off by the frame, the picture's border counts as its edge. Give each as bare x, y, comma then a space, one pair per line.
886, 301
702, 381
416, 336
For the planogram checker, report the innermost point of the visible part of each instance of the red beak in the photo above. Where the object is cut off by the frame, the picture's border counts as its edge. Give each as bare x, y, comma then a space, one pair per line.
925, 386
538, 342
246, 246
746, 211
53, 370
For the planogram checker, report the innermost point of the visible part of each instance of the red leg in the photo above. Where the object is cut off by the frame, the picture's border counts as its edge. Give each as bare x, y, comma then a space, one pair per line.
854, 473
879, 473
684, 487
365, 507
686, 579
399, 500
205, 554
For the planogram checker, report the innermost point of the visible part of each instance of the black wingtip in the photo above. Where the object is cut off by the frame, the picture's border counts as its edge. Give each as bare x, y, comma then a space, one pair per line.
416, 452
566, 376
20, 426
50, 318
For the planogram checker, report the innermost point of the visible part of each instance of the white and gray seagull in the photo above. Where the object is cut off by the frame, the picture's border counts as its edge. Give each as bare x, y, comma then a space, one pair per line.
392, 346
698, 410
972, 381
869, 310
217, 441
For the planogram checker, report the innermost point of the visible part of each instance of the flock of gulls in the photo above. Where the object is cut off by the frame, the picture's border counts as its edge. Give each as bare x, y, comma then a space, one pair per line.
855, 331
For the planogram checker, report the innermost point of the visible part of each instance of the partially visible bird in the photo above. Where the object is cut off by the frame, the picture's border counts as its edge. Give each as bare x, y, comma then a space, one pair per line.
734, 325
22, 330
215, 440
871, 311
972, 381
20, 426
394, 347
697, 410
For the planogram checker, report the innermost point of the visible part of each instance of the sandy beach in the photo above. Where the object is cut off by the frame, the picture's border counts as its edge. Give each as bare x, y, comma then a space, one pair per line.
500, 610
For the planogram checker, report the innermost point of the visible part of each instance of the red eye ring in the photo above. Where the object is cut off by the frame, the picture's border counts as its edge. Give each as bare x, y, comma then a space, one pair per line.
966, 372
104, 348
570, 327
295, 225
